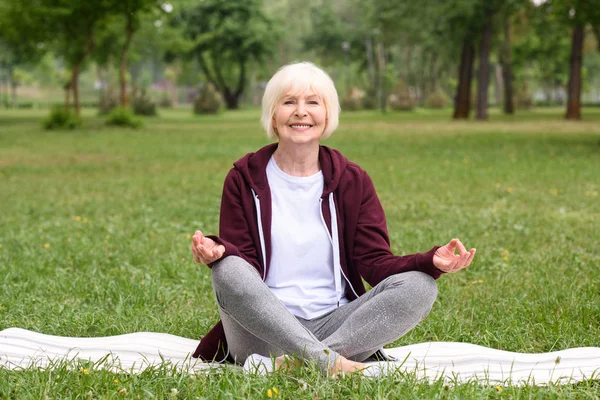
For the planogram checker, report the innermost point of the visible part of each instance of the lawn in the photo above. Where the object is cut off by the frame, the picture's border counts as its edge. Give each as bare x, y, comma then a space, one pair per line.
95, 231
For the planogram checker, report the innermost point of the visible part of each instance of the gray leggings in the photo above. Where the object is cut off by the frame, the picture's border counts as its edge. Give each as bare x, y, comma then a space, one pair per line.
255, 321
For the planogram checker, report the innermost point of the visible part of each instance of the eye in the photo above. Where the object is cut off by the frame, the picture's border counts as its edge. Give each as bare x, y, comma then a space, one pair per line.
288, 102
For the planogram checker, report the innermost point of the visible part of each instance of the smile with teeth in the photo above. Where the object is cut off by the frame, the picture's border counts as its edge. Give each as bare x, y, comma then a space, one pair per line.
300, 126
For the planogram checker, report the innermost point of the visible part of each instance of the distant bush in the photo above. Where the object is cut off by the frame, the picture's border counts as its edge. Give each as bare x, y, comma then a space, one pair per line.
109, 100
369, 101
142, 104
352, 100
122, 116
61, 118
165, 102
401, 99
208, 101
437, 99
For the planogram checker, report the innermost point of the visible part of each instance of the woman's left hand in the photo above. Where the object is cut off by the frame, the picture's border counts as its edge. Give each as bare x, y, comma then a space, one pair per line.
445, 259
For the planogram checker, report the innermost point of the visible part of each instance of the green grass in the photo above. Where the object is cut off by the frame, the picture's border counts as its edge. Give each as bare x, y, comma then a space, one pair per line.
95, 226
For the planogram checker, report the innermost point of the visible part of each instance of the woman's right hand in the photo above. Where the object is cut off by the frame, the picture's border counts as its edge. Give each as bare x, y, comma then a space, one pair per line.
206, 250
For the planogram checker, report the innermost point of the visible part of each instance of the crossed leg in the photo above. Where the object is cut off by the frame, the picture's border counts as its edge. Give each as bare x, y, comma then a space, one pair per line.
255, 321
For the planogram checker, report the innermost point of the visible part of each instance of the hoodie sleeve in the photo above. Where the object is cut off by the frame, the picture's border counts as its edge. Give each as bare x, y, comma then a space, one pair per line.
372, 254
234, 228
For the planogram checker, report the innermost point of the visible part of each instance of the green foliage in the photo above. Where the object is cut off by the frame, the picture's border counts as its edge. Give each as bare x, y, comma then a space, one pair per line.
541, 47
208, 100
228, 35
109, 100
437, 99
61, 118
401, 98
165, 101
523, 97
370, 101
142, 104
327, 35
122, 116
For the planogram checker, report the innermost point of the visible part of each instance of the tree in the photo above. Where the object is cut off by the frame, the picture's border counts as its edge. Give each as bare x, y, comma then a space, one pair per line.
75, 30
66, 26
131, 11
507, 72
459, 22
576, 14
228, 34
20, 39
540, 50
483, 78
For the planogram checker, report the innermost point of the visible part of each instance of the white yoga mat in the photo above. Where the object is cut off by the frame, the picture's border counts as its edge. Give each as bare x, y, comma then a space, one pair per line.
455, 362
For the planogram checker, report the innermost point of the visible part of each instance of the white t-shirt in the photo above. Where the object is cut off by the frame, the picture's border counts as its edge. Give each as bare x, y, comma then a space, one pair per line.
301, 273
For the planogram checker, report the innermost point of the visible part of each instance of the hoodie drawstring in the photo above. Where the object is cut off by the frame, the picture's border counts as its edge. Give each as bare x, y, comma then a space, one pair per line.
335, 244
260, 232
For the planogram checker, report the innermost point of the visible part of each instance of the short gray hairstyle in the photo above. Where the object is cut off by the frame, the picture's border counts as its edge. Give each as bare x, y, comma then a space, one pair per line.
298, 78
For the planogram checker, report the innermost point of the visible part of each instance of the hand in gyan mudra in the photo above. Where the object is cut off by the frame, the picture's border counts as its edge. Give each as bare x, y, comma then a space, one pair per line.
205, 250
446, 259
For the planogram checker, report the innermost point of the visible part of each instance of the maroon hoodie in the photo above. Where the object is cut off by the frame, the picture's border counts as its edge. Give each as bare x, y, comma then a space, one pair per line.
364, 243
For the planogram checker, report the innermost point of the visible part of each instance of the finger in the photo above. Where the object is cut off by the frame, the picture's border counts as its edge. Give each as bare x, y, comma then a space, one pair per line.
461, 247
460, 262
472, 254
195, 257
451, 246
451, 265
204, 252
219, 251
464, 260
202, 237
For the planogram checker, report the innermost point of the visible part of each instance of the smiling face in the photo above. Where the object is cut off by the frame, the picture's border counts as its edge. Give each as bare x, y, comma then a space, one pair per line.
300, 118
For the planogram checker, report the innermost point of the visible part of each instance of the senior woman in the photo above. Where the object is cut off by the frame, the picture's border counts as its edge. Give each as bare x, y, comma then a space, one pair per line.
300, 228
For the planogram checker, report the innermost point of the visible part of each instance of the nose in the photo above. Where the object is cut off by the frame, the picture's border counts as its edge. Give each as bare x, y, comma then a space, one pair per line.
300, 109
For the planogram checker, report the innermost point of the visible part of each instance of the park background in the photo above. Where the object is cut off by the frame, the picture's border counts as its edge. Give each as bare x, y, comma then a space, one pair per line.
119, 120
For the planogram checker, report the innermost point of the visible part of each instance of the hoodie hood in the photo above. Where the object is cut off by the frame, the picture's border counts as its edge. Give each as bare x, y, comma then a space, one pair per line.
253, 168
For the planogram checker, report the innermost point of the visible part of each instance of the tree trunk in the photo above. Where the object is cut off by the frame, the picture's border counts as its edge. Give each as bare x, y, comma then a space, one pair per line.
68, 94
231, 100
74, 83
13, 86
596, 30
75, 87
370, 62
483, 78
123, 70
498, 84
3, 87
505, 59
382, 77
15, 99
423, 81
433, 79
241, 80
574, 87
462, 101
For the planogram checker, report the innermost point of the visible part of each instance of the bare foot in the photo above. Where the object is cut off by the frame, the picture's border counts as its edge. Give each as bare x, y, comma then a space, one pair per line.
287, 363
343, 366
